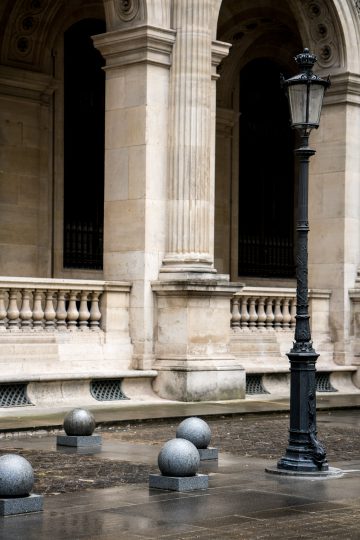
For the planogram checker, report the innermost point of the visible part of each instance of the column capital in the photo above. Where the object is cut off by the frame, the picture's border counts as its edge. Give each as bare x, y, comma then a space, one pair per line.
219, 51
137, 45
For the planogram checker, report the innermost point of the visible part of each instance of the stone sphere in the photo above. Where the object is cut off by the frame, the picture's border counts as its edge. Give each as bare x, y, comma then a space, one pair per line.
16, 476
194, 430
79, 422
179, 457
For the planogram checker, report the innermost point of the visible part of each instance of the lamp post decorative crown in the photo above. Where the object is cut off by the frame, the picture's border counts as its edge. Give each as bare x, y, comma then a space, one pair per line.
306, 60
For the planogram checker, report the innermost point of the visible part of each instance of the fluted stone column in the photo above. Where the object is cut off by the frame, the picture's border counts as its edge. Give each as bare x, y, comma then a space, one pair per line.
190, 182
193, 302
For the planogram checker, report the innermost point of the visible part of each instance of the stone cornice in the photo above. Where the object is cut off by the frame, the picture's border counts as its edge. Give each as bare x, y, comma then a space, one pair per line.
136, 45
345, 88
26, 84
219, 51
195, 287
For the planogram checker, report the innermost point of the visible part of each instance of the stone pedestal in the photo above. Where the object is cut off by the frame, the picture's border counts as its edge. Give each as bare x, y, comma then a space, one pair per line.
79, 440
208, 453
179, 483
21, 505
192, 342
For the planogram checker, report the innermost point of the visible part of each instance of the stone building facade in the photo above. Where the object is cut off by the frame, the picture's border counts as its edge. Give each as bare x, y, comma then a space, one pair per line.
148, 195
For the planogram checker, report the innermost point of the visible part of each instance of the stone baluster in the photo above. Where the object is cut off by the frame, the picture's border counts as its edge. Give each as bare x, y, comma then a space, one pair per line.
278, 317
293, 312
235, 313
49, 312
286, 314
3, 311
61, 313
84, 313
253, 316
13, 310
95, 314
269, 314
72, 312
244, 313
261, 313
38, 312
25, 311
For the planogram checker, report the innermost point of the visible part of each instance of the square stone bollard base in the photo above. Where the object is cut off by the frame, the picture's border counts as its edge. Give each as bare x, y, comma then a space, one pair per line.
78, 440
21, 505
208, 453
179, 483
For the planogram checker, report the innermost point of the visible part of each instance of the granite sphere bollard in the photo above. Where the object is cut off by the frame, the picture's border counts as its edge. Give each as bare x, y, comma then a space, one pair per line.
178, 462
16, 476
178, 457
16, 483
80, 422
198, 432
194, 430
79, 425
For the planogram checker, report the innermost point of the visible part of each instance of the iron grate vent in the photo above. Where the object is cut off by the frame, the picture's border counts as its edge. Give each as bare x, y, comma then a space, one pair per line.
254, 385
323, 383
107, 390
14, 395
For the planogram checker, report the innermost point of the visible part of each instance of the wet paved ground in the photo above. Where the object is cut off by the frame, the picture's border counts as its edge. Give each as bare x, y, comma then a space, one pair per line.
242, 502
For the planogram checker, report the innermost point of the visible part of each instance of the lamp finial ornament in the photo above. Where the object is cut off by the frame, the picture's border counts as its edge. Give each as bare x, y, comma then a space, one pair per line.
306, 60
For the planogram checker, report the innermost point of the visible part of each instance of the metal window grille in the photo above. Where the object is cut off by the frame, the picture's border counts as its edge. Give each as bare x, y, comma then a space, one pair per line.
107, 390
14, 395
254, 385
323, 383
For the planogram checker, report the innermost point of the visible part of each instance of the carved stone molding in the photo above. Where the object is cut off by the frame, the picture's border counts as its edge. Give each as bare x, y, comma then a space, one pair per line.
143, 44
127, 9
323, 33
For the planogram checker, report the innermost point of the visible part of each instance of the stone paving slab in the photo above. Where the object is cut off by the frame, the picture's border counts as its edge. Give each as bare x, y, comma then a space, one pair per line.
242, 502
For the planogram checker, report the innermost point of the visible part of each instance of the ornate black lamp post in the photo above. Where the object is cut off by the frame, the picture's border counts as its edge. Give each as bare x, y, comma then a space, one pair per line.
304, 453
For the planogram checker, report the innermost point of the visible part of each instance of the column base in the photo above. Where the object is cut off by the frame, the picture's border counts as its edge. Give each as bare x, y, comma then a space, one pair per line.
201, 384
192, 351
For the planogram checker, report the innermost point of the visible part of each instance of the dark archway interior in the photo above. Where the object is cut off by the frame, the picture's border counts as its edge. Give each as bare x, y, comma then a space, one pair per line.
84, 120
266, 174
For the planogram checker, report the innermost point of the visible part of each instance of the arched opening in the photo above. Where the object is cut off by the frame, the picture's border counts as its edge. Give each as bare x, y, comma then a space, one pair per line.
255, 165
84, 119
266, 174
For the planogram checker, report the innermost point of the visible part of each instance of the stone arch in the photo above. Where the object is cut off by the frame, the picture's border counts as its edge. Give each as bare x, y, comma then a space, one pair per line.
31, 27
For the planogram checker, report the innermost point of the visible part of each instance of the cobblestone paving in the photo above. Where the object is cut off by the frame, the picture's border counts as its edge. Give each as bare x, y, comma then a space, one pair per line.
251, 436
262, 436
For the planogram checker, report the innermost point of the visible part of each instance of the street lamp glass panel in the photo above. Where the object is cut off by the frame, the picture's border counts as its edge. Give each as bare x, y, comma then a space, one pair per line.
298, 99
315, 103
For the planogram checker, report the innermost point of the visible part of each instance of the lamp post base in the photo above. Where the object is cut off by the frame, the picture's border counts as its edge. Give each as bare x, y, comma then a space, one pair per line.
331, 472
301, 463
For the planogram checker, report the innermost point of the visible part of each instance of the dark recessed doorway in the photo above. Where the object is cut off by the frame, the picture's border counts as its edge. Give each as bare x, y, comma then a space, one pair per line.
266, 174
84, 118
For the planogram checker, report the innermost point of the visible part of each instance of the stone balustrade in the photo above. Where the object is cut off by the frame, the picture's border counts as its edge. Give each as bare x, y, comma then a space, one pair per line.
30, 304
263, 308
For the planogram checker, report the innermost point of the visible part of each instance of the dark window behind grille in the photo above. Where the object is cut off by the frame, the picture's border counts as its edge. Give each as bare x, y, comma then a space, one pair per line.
84, 106
266, 174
